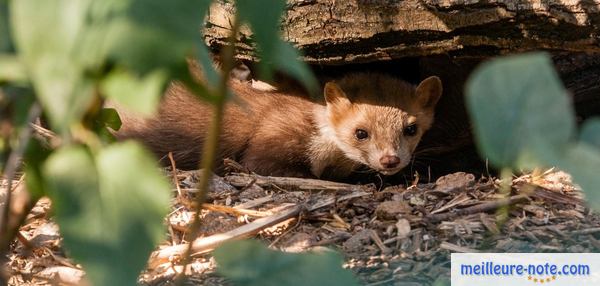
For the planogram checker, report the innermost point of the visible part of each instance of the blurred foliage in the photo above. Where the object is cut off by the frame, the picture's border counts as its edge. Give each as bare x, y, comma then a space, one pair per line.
251, 263
145, 42
12, 70
109, 207
5, 42
274, 53
523, 118
590, 132
109, 198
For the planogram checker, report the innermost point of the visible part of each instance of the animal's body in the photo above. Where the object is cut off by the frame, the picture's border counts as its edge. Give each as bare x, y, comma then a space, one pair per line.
364, 119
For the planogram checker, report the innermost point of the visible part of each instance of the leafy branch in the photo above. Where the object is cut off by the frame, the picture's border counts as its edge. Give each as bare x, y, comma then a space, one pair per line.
211, 143
109, 198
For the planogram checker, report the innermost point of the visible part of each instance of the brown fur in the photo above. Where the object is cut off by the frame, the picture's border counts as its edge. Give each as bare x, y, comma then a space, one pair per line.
283, 135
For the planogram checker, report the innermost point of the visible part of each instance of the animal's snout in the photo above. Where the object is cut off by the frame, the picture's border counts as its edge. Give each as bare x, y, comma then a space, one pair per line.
389, 162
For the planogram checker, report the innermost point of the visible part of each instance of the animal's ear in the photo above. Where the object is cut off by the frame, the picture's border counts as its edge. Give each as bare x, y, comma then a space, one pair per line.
429, 92
334, 95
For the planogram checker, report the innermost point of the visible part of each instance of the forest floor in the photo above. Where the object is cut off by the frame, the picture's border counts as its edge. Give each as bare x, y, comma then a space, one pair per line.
397, 235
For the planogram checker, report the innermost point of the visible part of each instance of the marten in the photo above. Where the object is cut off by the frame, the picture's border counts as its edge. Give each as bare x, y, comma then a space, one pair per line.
363, 119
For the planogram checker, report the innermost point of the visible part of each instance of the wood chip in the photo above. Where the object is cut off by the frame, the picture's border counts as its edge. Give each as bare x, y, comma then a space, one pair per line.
455, 248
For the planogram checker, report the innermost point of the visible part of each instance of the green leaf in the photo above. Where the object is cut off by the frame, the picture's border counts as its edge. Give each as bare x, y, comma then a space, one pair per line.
286, 60
139, 94
11, 69
109, 210
110, 118
136, 198
251, 263
274, 53
5, 41
590, 132
50, 57
19, 101
517, 103
35, 156
149, 34
149, 38
582, 161
205, 60
264, 21
74, 189
108, 121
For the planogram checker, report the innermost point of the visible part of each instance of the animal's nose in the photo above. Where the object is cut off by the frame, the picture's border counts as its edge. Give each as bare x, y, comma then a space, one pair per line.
389, 162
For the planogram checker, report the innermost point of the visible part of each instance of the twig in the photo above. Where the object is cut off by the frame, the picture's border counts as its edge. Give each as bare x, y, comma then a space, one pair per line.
392, 240
272, 244
58, 258
337, 237
240, 180
23, 240
174, 175
383, 282
586, 231
235, 210
455, 248
254, 203
333, 200
375, 237
62, 275
174, 239
203, 245
340, 221
12, 165
233, 166
461, 198
483, 207
206, 244
553, 196
49, 138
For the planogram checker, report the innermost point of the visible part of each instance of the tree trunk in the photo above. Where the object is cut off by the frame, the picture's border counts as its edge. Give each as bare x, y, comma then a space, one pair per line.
334, 32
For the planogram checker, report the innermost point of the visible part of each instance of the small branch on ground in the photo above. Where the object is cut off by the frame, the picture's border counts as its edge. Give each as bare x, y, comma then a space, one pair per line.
242, 180
553, 196
206, 244
456, 248
483, 207
235, 211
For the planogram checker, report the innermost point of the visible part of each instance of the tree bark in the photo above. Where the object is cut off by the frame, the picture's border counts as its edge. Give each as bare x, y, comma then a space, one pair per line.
332, 32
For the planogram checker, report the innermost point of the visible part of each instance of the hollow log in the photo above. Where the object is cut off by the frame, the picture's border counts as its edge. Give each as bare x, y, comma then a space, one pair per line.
333, 32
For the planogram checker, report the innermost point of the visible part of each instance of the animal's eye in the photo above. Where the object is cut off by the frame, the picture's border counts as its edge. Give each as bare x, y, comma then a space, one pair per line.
361, 134
410, 130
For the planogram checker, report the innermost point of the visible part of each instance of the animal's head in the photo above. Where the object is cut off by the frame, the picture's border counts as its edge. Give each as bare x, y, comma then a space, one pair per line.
378, 120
